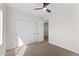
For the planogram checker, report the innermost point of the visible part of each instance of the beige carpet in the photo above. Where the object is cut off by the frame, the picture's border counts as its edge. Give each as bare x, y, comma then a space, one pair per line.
44, 49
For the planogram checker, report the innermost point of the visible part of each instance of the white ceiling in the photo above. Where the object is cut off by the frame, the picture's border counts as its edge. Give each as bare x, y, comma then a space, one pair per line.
29, 8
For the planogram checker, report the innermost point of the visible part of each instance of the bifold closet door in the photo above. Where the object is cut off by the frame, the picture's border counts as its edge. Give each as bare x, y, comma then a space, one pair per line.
40, 31
25, 30
35, 31
31, 32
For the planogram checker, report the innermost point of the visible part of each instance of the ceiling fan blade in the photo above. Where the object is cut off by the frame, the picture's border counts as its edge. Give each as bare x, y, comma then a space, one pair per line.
48, 10
45, 4
38, 8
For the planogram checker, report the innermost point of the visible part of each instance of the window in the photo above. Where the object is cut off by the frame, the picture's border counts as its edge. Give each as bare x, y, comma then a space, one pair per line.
1, 21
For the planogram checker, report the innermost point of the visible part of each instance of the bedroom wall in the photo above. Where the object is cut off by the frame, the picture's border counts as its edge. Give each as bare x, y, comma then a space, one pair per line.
3, 43
64, 26
14, 28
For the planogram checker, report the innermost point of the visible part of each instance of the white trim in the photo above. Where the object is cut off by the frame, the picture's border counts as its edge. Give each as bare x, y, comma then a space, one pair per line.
64, 47
1, 26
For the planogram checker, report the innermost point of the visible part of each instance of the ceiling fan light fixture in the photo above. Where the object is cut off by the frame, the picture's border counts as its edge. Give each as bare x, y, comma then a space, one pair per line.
44, 8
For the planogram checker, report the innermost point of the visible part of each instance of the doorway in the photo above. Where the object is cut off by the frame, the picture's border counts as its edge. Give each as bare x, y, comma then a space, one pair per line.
46, 32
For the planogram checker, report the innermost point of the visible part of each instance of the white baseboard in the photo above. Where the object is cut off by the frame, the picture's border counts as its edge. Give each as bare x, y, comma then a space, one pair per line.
64, 47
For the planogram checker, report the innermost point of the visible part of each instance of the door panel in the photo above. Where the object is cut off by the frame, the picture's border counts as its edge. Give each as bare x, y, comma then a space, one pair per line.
25, 31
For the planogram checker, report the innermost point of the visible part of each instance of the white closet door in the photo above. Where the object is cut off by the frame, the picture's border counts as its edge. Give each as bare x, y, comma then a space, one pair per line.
25, 31
20, 31
35, 31
40, 32
31, 32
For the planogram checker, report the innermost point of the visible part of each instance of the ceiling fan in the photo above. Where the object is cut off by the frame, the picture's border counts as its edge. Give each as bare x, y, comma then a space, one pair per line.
44, 7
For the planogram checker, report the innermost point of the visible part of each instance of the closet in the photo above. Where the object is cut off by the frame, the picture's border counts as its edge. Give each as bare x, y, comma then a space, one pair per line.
29, 31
